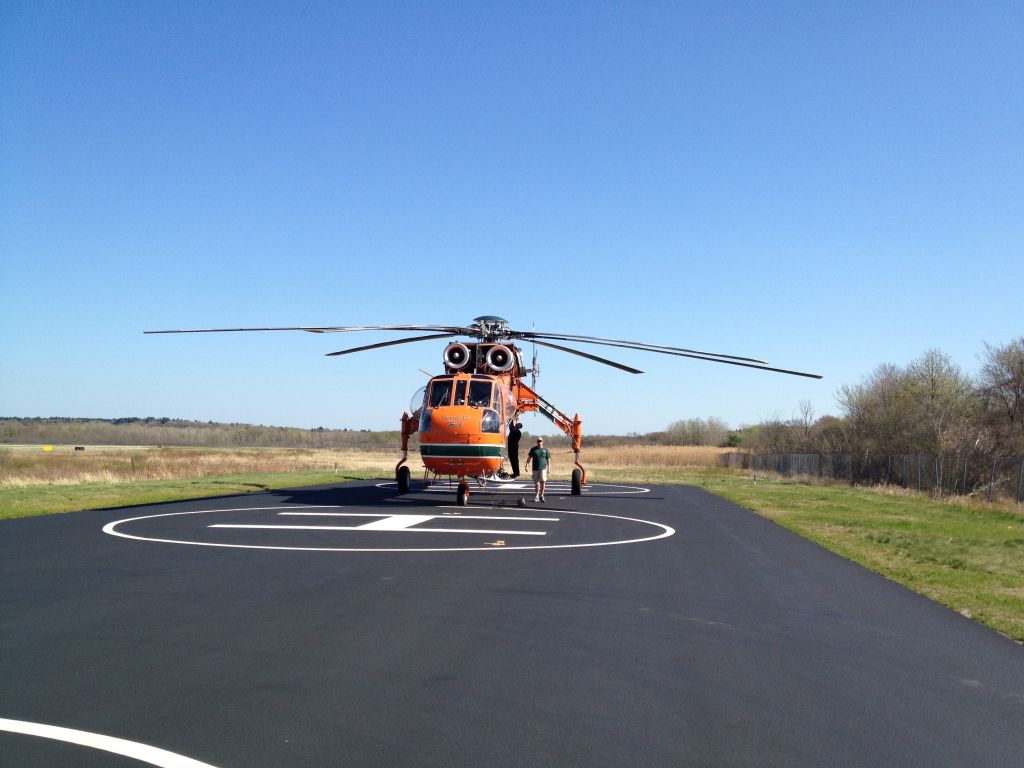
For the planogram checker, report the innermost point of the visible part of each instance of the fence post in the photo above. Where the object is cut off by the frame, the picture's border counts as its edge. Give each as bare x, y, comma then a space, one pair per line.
992, 479
1020, 479
965, 475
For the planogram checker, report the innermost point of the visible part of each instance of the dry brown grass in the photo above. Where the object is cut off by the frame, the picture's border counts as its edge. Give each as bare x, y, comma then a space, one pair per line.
660, 456
29, 466
106, 465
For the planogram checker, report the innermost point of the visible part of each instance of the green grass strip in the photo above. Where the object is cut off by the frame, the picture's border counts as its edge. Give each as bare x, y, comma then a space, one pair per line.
50, 499
970, 559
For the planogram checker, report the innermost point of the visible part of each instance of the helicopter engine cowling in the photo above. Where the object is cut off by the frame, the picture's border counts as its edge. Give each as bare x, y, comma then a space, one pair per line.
456, 356
500, 358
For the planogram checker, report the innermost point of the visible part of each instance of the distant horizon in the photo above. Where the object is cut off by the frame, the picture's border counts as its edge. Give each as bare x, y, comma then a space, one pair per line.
304, 429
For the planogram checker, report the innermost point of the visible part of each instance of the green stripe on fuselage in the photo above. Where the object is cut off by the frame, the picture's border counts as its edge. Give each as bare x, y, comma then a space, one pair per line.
444, 450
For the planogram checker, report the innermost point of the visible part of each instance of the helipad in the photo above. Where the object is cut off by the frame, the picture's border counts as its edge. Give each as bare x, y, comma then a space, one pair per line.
412, 522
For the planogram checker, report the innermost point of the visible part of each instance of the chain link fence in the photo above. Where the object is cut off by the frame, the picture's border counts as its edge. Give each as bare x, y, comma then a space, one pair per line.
985, 476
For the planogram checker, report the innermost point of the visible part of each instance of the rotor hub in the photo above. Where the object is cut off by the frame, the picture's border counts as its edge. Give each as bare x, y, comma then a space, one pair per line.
491, 327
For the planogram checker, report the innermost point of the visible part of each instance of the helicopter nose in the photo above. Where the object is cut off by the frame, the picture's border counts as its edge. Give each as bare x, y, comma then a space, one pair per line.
449, 421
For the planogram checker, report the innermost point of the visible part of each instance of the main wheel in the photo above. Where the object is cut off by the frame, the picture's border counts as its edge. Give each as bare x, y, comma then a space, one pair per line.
577, 483
462, 495
402, 476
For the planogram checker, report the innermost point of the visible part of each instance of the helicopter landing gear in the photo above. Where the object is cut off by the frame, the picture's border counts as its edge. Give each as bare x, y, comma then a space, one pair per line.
402, 477
462, 494
577, 482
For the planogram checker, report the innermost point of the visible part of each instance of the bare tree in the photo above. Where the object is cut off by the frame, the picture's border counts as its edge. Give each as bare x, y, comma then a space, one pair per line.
878, 413
1001, 386
710, 431
830, 435
927, 407
944, 402
805, 423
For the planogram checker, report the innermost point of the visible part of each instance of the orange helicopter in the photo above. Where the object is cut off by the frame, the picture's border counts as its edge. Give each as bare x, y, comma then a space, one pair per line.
463, 412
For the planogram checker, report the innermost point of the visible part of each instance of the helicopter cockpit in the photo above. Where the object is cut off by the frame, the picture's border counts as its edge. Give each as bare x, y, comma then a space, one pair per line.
476, 391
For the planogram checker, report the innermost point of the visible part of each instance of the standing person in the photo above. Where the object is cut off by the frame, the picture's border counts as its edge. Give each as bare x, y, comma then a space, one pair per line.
541, 458
515, 431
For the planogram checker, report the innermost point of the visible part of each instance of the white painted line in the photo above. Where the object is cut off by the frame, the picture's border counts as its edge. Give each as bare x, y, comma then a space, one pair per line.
366, 528
132, 749
348, 514
500, 517
446, 514
484, 506
553, 487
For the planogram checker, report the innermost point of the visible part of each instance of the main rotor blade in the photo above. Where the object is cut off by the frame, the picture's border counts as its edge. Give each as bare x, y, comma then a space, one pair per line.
234, 330
335, 329
391, 343
695, 357
450, 329
748, 365
595, 358
632, 345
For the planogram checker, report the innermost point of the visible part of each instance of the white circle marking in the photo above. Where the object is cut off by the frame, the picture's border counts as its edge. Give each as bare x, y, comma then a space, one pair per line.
111, 528
132, 749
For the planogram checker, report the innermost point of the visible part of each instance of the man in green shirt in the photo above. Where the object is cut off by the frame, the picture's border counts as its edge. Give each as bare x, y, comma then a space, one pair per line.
541, 458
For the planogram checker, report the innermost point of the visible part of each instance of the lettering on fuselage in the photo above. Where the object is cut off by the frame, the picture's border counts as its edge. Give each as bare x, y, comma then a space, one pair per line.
456, 422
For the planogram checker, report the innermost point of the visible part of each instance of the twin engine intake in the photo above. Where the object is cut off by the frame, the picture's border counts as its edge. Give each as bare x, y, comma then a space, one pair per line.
478, 358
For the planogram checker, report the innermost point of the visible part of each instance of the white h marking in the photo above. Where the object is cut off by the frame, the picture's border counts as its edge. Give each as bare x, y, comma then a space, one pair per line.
393, 523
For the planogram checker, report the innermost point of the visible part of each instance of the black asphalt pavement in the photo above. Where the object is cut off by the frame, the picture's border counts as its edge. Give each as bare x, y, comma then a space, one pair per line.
364, 628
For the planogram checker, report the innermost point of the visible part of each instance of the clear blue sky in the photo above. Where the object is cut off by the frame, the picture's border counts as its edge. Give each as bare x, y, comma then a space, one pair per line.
829, 186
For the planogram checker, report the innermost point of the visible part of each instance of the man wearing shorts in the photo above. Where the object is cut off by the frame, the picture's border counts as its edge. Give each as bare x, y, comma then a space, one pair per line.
541, 457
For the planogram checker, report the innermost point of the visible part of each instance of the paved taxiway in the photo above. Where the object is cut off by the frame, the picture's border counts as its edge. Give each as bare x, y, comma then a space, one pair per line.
625, 628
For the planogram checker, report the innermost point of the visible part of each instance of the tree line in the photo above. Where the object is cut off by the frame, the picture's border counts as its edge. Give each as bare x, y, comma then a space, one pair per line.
929, 406
183, 432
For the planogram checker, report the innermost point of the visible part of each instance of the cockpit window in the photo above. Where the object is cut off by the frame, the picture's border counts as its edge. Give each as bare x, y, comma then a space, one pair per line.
480, 394
490, 422
440, 393
460, 392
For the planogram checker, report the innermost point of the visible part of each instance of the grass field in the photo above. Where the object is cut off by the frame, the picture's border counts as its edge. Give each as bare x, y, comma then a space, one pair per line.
33, 482
969, 557
966, 555
26, 467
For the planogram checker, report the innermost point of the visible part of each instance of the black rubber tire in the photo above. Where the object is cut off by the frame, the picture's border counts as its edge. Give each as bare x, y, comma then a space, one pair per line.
402, 476
462, 496
577, 483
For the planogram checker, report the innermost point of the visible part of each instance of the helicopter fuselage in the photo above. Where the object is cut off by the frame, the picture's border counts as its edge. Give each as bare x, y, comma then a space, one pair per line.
462, 423
464, 413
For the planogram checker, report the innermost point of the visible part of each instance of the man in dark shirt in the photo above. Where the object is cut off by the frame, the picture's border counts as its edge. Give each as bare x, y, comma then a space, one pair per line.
515, 431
